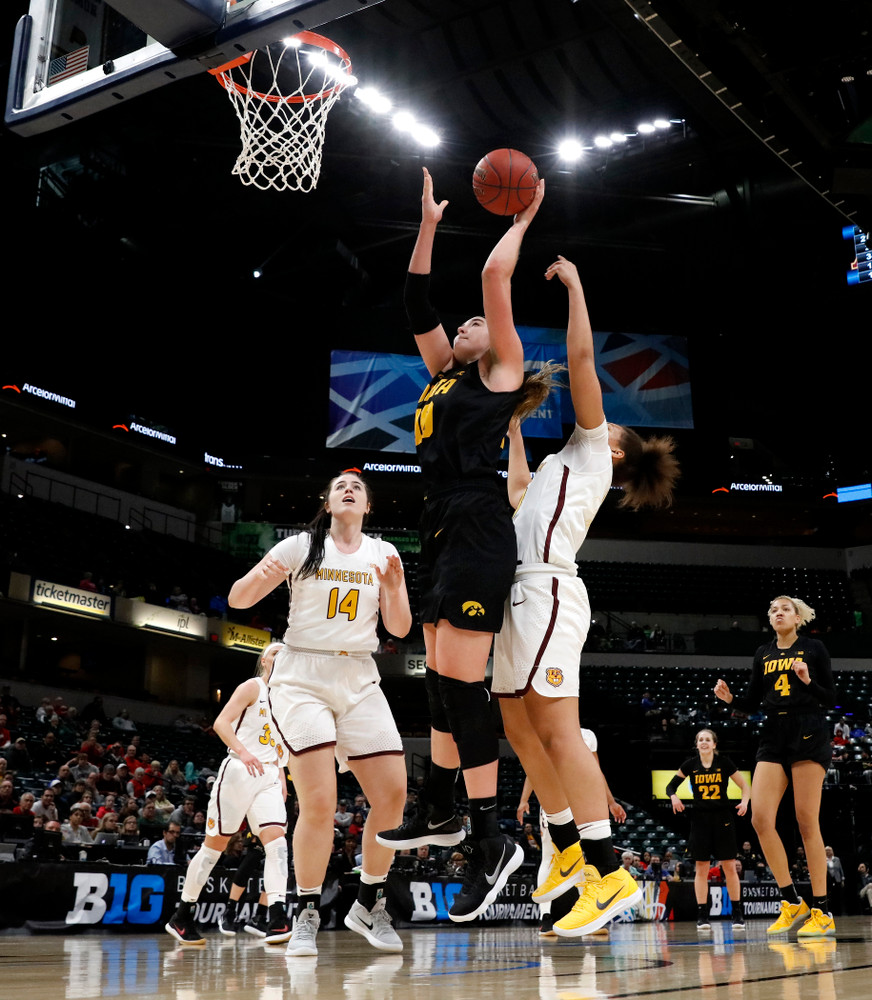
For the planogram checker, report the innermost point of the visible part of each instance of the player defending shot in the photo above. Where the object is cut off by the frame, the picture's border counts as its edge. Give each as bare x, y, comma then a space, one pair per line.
538, 652
250, 783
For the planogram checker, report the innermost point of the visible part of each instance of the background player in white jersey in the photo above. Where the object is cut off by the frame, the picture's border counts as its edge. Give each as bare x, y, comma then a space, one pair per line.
537, 653
618, 812
326, 698
250, 784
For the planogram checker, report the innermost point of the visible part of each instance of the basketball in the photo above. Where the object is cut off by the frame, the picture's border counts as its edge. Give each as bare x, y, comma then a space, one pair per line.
504, 181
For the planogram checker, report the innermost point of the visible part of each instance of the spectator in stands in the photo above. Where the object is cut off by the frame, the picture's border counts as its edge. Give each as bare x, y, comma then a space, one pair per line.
45, 807
346, 859
531, 844
46, 753
183, 815
25, 804
74, 830
865, 890
108, 824
164, 851
655, 872
87, 583
174, 778
426, 866
151, 826
842, 729
835, 880
178, 600
109, 804
635, 642
197, 826
5, 734
627, 864
10, 706
162, 804
43, 712
131, 758
108, 783
93, 748
123, 722
355, 827
80, 767
93, 712
45, 844
342, 817
122, 773
136, 786
18, 757
130, 831
8, 798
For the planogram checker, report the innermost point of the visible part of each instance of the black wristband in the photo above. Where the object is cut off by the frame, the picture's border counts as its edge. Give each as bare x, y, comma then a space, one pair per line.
416, 297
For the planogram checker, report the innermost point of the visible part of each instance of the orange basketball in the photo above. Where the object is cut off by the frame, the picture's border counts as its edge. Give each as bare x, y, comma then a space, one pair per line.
504, 181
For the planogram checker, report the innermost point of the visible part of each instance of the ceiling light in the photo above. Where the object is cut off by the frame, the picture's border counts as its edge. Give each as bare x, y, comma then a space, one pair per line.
602, 142
645, 128
571, 150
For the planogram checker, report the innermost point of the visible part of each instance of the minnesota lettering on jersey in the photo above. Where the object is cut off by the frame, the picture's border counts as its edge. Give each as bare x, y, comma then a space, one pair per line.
345, 576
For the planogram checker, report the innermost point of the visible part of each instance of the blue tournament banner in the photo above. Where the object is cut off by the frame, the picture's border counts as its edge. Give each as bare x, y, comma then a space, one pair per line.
645, 381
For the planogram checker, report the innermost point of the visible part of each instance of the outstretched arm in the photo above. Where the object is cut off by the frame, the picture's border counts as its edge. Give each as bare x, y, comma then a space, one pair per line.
584, 386
432, 341
507, 366
519, 470
246, 694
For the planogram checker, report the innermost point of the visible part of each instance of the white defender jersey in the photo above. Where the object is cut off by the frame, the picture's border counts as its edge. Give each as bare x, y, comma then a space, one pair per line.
256, 730
557, 508
337, 607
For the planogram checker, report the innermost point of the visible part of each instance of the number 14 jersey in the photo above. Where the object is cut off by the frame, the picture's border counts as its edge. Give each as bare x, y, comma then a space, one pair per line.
337, 607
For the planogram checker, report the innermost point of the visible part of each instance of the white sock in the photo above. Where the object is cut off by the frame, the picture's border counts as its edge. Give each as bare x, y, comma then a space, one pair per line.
559, 819
199, 871
599, 829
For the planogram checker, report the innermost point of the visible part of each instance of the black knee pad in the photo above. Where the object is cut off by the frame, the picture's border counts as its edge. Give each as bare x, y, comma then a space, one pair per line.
467, 706
250, 865
438, 718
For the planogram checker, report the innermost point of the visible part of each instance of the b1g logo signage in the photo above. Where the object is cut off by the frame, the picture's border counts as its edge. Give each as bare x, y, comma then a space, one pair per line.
117, 898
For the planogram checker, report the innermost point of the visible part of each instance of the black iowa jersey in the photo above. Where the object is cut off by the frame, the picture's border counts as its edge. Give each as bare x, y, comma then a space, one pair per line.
460, 425
774, 683
709, 784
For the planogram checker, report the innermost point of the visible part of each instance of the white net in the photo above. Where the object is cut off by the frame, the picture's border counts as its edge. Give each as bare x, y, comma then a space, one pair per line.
282, 95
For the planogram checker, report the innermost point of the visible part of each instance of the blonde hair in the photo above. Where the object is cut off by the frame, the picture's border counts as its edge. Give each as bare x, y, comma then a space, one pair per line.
537, 387
273, 646
806, 613
648, 471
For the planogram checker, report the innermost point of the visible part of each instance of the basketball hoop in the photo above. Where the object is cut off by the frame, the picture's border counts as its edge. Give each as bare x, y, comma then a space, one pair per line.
282, 95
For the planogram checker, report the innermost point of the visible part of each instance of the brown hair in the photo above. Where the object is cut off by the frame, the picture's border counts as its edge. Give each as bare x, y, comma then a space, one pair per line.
648, 471
537, 387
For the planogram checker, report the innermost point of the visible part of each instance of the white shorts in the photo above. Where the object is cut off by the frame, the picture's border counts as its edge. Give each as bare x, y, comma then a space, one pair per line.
539, 646
237, 795
332, 700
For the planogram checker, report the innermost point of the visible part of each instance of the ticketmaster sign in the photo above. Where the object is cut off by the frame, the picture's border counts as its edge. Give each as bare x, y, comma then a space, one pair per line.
85, 602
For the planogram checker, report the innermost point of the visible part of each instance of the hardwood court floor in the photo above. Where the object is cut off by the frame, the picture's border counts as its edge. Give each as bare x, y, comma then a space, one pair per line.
635, 961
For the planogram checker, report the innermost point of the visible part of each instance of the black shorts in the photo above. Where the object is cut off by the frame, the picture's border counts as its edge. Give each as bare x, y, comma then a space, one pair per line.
712, 835
788, 739
468, 557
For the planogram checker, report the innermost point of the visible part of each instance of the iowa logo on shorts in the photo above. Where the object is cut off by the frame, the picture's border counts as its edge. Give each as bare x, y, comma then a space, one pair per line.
211, 824
473, 609
554, 676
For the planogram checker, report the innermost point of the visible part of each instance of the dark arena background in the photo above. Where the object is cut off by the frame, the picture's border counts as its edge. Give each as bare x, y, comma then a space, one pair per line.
192, 359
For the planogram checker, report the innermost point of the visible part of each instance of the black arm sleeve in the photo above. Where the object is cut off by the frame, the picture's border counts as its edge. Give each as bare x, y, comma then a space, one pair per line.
416, 297
674, 784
